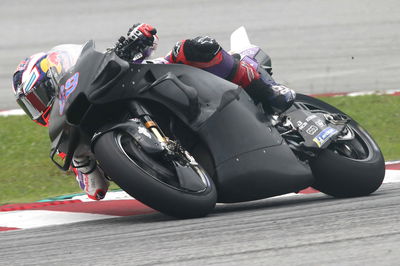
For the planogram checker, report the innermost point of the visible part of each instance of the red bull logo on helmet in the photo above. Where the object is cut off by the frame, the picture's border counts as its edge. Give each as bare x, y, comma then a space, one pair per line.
54, 60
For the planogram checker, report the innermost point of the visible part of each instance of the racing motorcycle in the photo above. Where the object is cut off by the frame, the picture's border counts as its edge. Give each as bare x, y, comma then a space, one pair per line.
180, 139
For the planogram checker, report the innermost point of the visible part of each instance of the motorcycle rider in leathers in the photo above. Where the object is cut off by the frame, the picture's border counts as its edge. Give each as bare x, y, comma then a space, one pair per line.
141, 40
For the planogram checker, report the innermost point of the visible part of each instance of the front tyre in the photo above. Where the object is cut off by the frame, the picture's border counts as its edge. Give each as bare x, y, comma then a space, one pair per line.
349, 168
153, 181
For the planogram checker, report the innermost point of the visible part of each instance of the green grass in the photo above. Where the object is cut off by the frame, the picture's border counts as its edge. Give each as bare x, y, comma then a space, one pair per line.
27, 174
26, 171
380, 115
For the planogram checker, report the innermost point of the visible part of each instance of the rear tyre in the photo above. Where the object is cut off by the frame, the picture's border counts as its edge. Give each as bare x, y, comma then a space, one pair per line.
348, 168
152, 181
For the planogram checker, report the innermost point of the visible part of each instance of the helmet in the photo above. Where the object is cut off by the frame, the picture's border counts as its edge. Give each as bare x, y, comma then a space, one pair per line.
33, 89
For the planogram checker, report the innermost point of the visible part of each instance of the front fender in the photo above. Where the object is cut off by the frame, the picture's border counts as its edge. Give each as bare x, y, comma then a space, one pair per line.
137, 131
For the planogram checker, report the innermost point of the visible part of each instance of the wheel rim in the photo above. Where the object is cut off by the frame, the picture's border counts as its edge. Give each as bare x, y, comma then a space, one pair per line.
356, 148
163, 173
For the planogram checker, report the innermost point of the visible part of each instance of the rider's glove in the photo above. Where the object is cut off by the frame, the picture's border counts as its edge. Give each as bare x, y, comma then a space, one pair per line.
141, 40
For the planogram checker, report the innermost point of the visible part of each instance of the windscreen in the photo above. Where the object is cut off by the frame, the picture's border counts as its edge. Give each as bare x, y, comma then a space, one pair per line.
62, 58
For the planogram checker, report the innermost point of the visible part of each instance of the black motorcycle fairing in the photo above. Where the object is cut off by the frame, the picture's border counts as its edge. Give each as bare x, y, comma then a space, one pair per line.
66, 142
105, 78
220, 112
192, 94
98, 91
56, 121
238, 128
244, 148
97, 71
106, 82
262, 173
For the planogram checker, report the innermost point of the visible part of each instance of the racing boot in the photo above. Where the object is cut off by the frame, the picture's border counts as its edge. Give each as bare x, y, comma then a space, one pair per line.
274, 98
90, 178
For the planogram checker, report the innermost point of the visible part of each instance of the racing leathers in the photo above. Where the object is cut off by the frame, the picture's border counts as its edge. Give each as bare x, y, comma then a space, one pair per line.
205, 53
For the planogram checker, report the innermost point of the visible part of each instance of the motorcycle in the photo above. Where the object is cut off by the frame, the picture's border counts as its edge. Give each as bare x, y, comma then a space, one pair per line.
180, 139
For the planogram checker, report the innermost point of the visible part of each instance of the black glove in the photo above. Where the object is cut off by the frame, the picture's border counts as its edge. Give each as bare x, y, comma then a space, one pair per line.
139, 43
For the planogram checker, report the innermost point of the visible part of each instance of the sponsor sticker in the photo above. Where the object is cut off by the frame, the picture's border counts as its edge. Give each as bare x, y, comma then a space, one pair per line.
324, 135
53, 60
312, 130
301, 125
320, 123
310, 117
67, 89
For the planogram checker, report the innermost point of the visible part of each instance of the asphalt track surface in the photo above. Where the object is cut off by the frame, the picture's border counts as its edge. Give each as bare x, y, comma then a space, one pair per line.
317, 46
301, 230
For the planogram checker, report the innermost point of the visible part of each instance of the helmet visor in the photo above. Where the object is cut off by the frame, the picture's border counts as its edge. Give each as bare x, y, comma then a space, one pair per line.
35, 102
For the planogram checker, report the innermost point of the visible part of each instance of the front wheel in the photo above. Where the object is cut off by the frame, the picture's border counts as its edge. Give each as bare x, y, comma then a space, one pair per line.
347, 168
153, 180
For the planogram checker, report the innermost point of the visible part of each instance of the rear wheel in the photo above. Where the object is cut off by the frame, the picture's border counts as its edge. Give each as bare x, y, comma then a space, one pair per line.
153, 179
347, 168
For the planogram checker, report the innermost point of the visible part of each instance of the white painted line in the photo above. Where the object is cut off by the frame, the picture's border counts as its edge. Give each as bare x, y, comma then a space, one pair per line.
39, 218
362, 93
392, 176
12, 112
392, 162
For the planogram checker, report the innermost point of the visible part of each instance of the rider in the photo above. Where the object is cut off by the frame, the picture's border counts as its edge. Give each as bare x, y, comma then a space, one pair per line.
35, 92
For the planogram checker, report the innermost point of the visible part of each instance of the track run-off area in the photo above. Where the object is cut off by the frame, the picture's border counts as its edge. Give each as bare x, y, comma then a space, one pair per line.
78, 208
294, 229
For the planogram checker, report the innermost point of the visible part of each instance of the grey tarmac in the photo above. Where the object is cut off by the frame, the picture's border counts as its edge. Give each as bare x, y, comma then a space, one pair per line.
316, 46
312, 229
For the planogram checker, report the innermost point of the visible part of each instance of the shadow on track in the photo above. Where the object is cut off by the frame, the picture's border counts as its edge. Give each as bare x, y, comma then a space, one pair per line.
272, 205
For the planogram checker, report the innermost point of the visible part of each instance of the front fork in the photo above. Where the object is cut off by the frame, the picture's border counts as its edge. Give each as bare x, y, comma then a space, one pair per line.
172, 147
188, 171
139, 111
